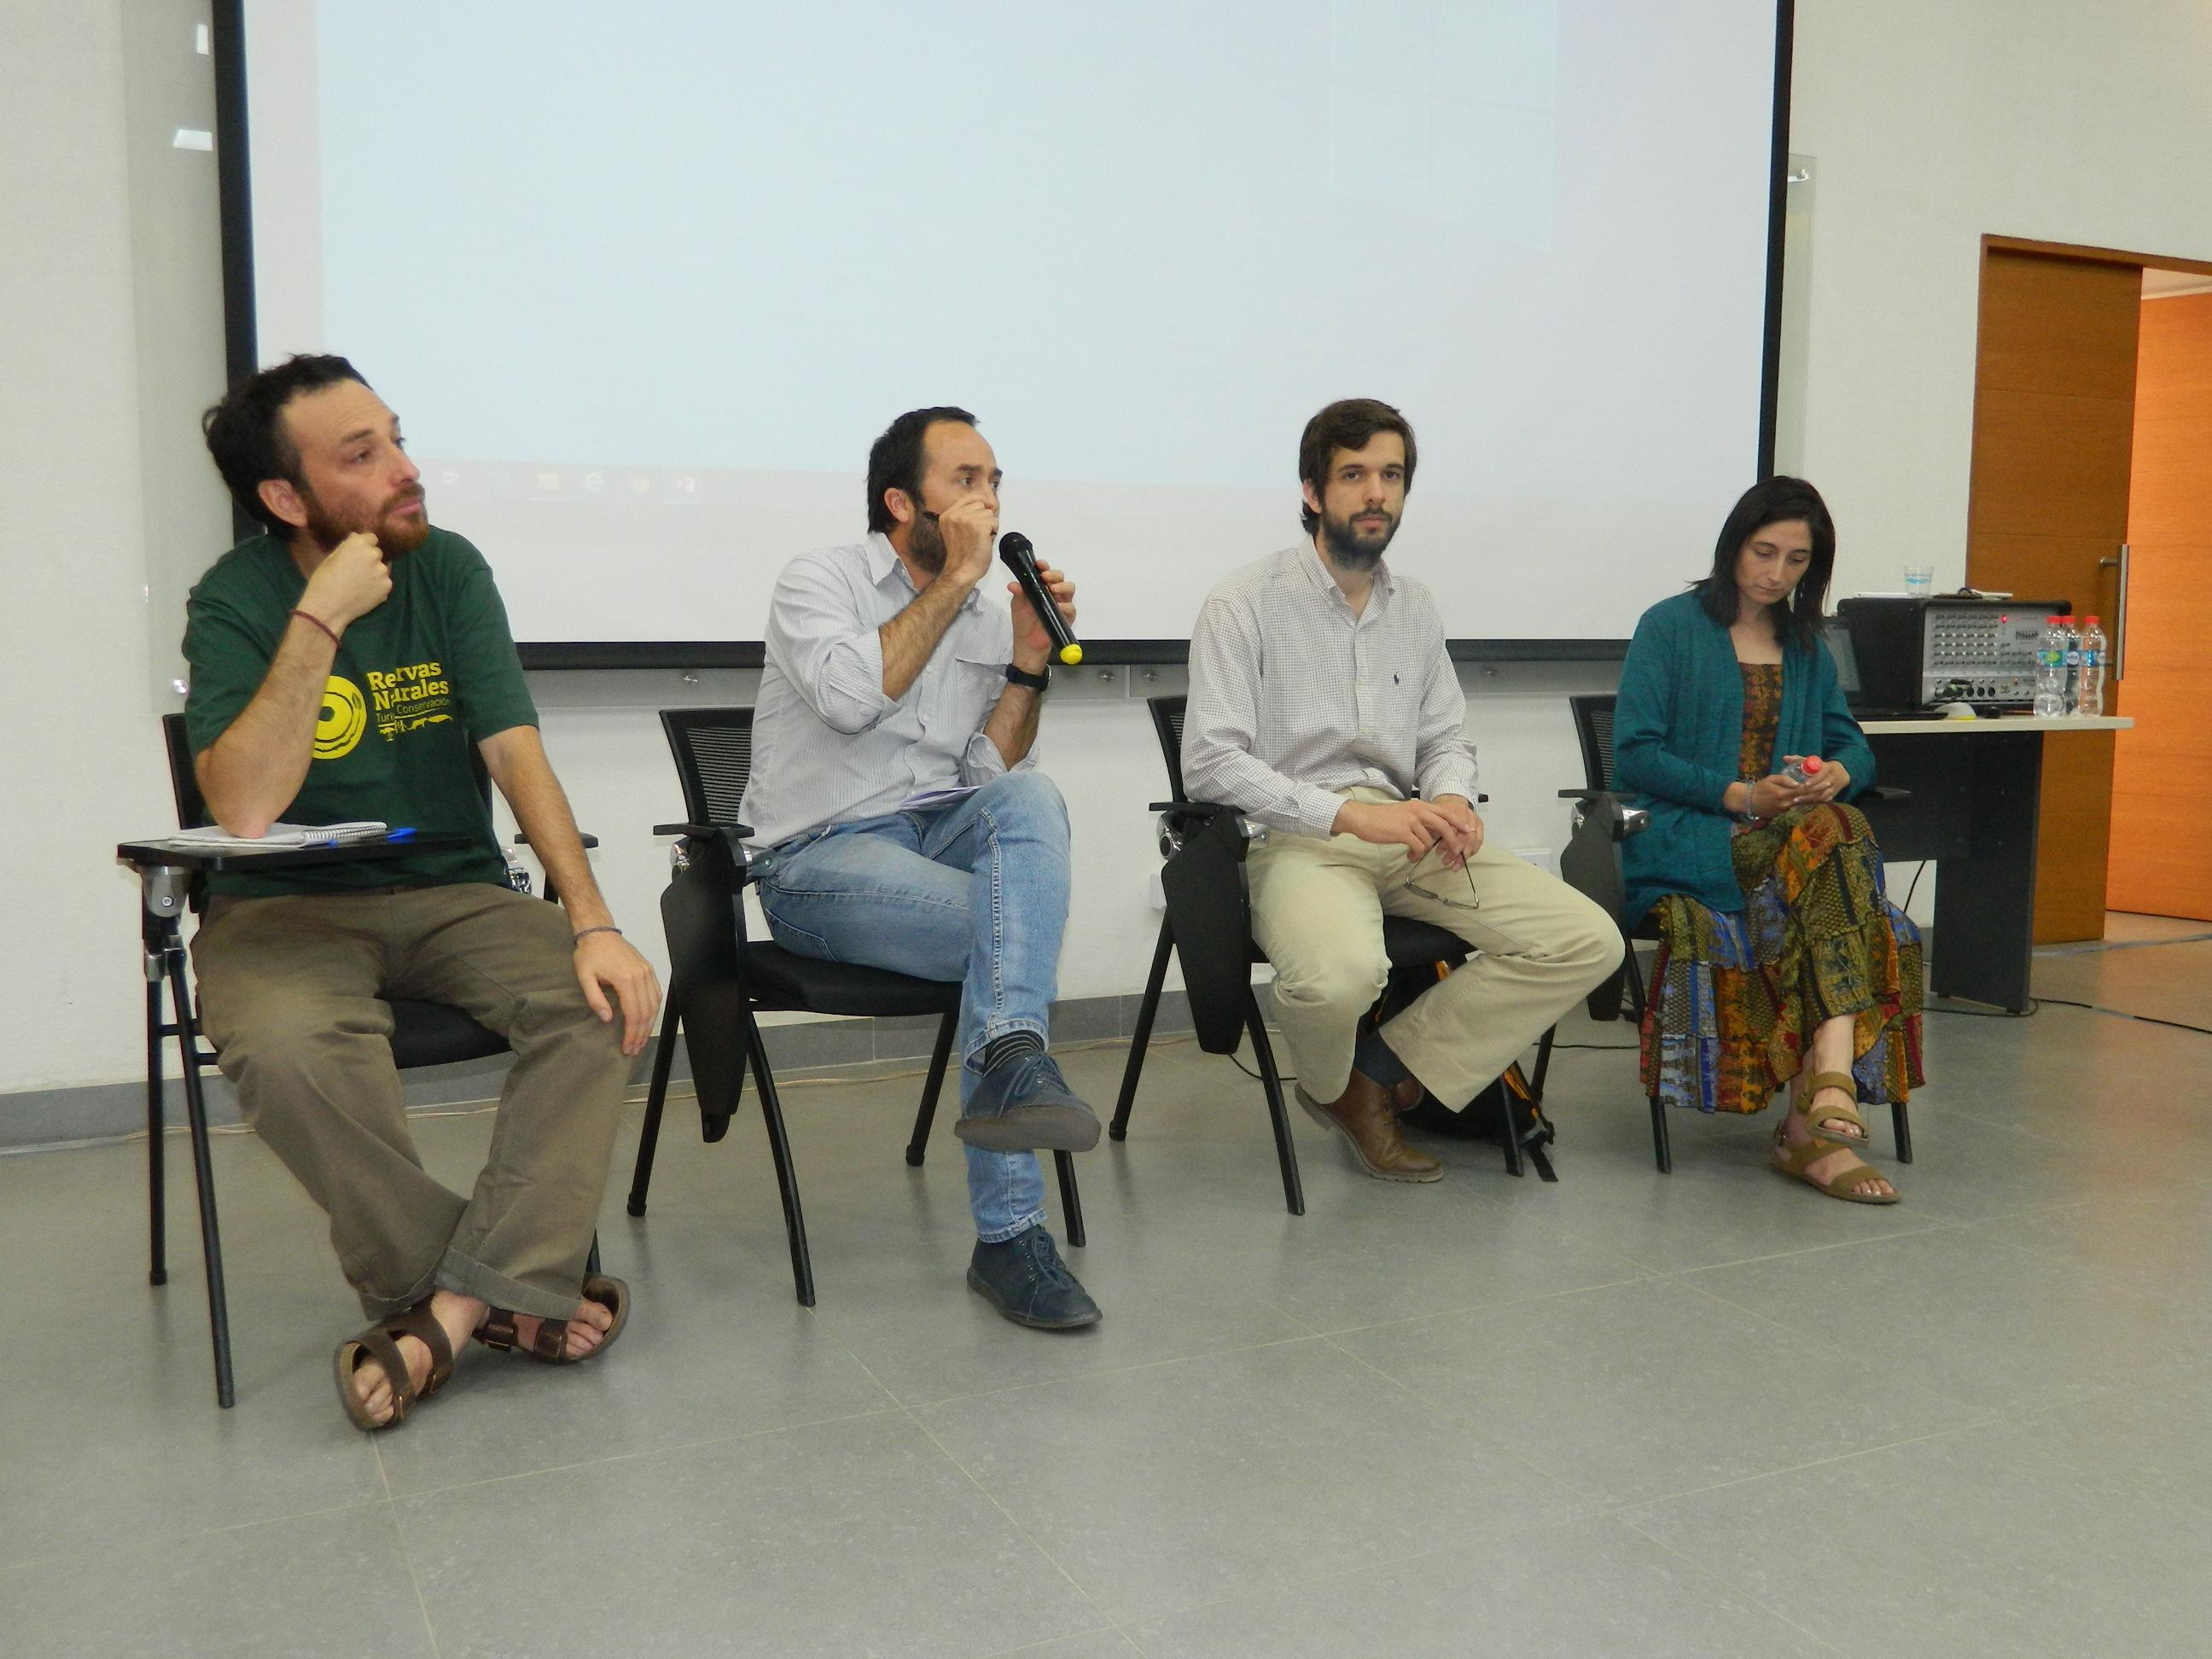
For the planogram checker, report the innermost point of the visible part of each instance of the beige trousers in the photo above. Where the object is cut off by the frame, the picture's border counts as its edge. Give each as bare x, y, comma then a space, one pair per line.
291, 995
1318, 910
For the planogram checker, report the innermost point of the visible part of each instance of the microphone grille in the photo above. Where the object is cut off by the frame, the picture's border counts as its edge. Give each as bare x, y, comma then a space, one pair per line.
1015, 545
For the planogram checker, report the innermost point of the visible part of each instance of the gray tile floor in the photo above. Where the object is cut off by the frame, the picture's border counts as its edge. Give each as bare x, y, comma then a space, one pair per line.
1707, 1414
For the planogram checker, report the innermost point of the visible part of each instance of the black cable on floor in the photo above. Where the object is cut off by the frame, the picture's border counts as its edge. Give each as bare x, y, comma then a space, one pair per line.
1912, 887
2122, 1013
1280, 1077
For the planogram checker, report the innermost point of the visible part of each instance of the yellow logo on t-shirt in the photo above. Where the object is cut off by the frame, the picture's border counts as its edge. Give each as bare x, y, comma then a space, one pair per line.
410, 697
342, 719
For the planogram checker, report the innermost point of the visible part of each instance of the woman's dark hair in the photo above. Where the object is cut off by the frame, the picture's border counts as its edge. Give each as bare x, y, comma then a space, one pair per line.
1349, 423
895, 459
1775, 501
245, 431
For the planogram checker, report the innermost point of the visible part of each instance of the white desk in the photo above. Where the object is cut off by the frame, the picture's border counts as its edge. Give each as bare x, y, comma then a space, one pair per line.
1977, 788
2002, 723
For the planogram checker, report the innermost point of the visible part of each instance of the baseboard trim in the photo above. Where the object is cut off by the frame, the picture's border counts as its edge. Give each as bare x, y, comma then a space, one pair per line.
38, 1120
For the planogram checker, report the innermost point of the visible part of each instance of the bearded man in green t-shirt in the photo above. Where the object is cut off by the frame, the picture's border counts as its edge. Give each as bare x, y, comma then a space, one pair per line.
344, 666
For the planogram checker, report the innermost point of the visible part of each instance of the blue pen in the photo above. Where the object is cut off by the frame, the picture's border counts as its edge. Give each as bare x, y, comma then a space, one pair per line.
406, 833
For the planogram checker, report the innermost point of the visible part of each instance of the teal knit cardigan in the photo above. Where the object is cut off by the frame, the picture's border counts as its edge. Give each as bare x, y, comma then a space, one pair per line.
1677, 731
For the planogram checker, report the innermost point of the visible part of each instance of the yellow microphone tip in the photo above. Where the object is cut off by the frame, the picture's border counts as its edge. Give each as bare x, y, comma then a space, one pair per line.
1070, 655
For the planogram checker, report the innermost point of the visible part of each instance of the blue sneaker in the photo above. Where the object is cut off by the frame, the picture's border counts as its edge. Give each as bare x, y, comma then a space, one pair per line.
1025, 1279
1022, 1104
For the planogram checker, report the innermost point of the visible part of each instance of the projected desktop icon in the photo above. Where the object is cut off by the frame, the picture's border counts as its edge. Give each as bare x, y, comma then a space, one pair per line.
549, 482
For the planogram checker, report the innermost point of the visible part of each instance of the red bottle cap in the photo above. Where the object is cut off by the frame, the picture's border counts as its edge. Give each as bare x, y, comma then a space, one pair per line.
2093, 622
1812, 764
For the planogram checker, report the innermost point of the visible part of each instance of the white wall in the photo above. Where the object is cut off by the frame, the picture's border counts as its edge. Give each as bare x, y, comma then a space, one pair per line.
1928, 126
80, 759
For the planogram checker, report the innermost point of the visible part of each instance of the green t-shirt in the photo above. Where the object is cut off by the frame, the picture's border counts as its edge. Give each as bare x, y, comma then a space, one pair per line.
416, 682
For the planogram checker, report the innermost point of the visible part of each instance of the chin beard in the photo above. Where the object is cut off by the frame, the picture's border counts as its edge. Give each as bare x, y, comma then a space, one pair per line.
394, 535
1352, 550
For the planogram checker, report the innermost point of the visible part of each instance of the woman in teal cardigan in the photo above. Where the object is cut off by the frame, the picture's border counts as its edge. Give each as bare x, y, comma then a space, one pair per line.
1780, 960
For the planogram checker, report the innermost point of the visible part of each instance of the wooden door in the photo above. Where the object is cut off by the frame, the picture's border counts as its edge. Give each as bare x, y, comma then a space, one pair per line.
2054, 428
2158, 863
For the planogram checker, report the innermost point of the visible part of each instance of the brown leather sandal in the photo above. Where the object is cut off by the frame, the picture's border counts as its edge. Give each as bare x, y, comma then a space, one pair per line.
379, 1345
551, 1345
1850, 1114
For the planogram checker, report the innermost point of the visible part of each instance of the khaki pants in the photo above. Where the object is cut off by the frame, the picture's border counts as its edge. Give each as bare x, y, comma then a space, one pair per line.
1318, 910
291, 994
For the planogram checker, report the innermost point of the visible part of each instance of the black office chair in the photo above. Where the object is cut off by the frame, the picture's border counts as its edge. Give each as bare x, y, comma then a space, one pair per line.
1208, 924
719, 980
422, 1034
1591, 864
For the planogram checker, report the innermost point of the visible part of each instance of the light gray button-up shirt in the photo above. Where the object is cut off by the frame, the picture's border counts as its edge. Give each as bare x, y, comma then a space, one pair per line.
828, 747
1293, 697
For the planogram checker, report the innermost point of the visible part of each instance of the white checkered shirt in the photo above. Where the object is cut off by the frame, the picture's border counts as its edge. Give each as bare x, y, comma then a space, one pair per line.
1294, 698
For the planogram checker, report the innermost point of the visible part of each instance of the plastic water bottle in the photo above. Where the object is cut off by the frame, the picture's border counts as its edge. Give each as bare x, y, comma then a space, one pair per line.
2051, 670
1802, 770
2091, 697
2073, 687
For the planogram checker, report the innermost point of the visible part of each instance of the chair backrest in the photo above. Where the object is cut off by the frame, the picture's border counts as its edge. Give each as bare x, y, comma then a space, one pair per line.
184, 782
1594, 728
714, 751
1167, 725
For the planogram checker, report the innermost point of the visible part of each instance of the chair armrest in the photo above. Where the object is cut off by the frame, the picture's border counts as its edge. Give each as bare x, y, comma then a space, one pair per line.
1191, 809
703, 830
1181, 820
157, 853
1610, 811
521, 840
1888, 794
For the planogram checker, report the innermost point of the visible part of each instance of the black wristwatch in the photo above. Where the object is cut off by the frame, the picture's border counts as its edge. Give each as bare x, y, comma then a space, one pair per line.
1023, 677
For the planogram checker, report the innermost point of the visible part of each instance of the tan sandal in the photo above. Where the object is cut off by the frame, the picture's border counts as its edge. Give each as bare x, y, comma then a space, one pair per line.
497, 1329
379, 1344
1797, 1158
1849, 1085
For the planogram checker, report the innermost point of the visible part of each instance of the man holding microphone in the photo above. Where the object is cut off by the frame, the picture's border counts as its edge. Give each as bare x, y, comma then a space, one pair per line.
902, 824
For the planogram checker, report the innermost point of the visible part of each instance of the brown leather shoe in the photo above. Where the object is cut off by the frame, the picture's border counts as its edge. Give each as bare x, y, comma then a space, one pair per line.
1366, 1115
1408, 1094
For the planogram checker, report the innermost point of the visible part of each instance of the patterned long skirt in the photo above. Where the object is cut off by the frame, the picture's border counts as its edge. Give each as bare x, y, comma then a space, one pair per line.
1733, 998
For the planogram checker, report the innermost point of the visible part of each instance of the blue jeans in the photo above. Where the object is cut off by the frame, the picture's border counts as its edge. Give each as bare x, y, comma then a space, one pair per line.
974, 890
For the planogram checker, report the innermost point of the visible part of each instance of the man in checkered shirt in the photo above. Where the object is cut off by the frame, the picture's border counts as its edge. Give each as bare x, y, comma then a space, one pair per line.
1324, 705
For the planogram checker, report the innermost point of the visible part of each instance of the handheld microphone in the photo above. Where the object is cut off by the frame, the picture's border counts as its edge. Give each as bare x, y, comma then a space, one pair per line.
1020, 557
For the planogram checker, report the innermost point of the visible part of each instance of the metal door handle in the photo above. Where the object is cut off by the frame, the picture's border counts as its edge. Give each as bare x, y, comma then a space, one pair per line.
2119, 665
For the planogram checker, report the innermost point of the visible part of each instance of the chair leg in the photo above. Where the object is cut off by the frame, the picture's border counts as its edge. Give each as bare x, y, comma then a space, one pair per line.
156, 1181
1543, 1064
1901, 1126
226, 1392
1071, 1201
1511, 1139
1286, 1153
1142, 1038
1636, 995
656, 1097
1661, 1148
779, 1147
918, 1148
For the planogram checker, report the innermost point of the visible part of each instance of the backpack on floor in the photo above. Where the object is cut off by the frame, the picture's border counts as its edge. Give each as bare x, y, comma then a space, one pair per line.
1506, 1112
